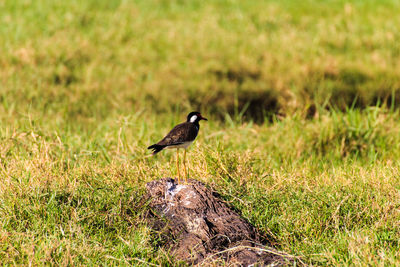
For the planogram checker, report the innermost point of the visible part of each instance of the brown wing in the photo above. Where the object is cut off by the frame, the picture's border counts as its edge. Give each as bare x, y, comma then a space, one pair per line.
181, 133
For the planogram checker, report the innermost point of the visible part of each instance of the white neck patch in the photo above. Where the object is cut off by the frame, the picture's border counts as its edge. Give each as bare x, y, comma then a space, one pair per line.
193, 118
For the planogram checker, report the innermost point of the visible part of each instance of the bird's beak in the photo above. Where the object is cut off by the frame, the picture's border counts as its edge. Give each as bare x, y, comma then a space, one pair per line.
202, 118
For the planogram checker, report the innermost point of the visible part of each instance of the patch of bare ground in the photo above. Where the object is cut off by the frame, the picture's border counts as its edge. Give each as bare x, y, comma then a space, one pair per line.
199, 228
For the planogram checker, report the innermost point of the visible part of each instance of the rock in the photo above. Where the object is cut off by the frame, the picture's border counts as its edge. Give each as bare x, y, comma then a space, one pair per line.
199, 228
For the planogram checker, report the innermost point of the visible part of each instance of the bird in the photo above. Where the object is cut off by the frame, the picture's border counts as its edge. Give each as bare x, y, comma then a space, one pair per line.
181, 136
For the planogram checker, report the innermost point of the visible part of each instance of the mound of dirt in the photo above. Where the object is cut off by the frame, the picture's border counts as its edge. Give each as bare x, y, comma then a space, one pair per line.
199, 228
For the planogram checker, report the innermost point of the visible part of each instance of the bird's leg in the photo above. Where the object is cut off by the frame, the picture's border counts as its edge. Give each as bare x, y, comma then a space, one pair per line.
184, 165
177, 164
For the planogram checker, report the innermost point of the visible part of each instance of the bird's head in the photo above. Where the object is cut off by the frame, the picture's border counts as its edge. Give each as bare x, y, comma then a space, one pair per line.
195, 117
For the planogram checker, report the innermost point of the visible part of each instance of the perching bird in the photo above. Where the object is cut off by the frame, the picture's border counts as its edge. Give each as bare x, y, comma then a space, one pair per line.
181, 136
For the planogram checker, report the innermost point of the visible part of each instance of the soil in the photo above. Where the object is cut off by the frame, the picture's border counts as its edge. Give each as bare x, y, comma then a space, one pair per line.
198, 227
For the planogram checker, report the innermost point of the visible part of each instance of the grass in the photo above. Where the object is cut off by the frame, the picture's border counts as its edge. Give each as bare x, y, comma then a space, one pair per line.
302, 138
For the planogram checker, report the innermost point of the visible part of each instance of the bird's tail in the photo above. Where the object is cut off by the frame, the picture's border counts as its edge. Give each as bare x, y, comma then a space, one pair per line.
156, 148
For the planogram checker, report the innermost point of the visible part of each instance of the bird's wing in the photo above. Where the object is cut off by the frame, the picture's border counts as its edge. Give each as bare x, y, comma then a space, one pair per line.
179, 134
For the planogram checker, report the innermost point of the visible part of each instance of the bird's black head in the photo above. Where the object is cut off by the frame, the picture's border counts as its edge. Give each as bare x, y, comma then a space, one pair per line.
195, 117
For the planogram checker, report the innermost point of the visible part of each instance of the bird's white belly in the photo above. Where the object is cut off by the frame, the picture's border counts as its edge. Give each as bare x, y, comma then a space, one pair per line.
184, 145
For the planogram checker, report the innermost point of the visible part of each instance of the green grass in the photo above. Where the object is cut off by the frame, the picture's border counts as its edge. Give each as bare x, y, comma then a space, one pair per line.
303, 133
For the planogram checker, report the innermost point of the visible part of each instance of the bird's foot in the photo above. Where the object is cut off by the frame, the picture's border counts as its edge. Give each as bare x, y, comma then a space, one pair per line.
183, 182
186, 182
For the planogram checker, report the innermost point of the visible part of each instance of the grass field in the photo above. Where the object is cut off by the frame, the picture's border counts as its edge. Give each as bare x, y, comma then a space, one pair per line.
303, 136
